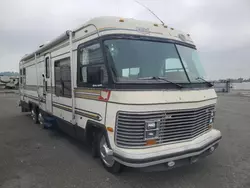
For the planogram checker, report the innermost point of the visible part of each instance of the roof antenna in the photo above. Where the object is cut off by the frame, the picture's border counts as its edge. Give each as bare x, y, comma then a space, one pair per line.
150, 11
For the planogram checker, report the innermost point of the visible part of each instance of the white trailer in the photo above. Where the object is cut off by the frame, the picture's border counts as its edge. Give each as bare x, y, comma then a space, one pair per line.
131, 89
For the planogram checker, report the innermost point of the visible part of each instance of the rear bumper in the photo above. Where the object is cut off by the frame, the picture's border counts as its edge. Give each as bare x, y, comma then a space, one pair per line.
189, 154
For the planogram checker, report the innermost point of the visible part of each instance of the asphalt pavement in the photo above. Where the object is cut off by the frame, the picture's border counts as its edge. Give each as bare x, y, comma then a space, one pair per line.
31, 157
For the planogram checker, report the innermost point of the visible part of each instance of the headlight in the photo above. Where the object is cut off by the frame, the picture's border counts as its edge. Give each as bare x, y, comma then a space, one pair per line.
151, 134
211, 120
151, 130
150, 125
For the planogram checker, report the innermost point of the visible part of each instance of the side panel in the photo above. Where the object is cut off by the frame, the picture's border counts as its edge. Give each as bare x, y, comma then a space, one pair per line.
30, 83
88, 109
21, 81
31, 88
59, 101
31, 77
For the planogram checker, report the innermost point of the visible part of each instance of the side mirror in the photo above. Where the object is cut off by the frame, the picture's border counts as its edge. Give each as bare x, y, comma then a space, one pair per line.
95, 75
43, 75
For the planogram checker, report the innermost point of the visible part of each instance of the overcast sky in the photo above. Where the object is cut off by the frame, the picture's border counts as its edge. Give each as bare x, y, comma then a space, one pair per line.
219, 28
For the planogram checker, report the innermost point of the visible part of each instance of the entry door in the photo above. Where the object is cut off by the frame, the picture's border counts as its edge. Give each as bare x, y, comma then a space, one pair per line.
48, 84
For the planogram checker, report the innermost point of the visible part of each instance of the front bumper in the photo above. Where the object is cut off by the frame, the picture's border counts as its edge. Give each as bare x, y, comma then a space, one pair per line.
199, 147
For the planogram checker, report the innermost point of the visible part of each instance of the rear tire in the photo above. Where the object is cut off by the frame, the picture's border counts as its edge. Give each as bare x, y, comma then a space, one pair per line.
23, 109
41, 119
34, 115
108, 161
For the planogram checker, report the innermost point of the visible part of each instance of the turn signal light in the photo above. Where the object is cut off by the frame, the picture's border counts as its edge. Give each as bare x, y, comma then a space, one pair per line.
150, 142
110, 129
210, 126
121, 20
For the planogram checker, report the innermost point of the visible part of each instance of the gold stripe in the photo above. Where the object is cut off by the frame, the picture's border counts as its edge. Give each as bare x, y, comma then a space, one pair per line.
62, 106
94, 91
84, 96
78, 111
87, 114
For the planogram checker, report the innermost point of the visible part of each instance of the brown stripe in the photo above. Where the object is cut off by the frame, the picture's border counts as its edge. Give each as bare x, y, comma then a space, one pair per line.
34, 98
34, 88
30, 87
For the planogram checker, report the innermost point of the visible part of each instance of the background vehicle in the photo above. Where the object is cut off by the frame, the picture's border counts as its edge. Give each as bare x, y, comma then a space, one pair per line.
9, 82
132, 89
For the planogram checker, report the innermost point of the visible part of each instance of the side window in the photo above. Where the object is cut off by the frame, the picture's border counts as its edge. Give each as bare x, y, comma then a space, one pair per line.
24, 76
58, 89
63, 77
174, 65
91, 65
130, 72
173, 70
47, 67
21, 76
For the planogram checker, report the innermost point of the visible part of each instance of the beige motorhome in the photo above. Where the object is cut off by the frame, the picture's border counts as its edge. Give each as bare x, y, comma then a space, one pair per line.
133, 90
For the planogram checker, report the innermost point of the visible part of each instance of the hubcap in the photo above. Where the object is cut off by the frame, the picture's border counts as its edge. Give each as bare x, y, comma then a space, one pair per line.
106, 153
40, 119
33, 115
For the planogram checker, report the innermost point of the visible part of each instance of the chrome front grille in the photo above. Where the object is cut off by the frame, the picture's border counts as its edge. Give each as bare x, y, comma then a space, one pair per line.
174, 126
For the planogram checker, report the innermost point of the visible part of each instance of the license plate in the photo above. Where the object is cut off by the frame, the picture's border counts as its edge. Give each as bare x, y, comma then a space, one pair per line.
194, 159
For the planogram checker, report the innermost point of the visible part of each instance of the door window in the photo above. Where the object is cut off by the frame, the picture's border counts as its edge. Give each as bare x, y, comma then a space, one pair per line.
63, 77
91, 66
47, 67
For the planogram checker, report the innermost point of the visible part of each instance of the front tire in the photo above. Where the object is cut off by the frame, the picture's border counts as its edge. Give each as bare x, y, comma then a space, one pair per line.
106, 157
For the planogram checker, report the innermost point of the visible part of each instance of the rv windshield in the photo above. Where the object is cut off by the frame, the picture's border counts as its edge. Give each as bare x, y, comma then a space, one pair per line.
132, 60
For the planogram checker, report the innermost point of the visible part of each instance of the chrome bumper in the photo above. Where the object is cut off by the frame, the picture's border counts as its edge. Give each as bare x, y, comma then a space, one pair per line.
189, 154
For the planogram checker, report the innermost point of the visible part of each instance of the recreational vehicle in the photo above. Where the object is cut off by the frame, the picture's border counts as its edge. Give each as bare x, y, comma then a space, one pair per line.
132, 90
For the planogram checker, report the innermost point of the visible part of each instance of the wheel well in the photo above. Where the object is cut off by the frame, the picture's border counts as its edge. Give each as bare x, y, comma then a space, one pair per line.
32, 105
92, 130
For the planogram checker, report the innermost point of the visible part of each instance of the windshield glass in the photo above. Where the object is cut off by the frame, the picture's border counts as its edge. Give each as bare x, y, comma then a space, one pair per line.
191, 63
132, 60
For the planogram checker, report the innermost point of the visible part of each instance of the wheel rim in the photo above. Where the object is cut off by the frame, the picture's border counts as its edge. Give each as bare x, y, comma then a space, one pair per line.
33, 115
107, 158
40, 119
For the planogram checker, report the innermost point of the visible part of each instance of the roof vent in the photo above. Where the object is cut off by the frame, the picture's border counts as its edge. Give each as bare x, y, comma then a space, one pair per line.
182, 37
44, 44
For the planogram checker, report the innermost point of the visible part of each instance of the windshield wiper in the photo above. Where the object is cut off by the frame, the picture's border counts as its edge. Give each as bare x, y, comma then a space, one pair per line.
160, 78
209, 83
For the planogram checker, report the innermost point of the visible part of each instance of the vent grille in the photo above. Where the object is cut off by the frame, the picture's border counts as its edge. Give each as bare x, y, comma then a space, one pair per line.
174, 126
